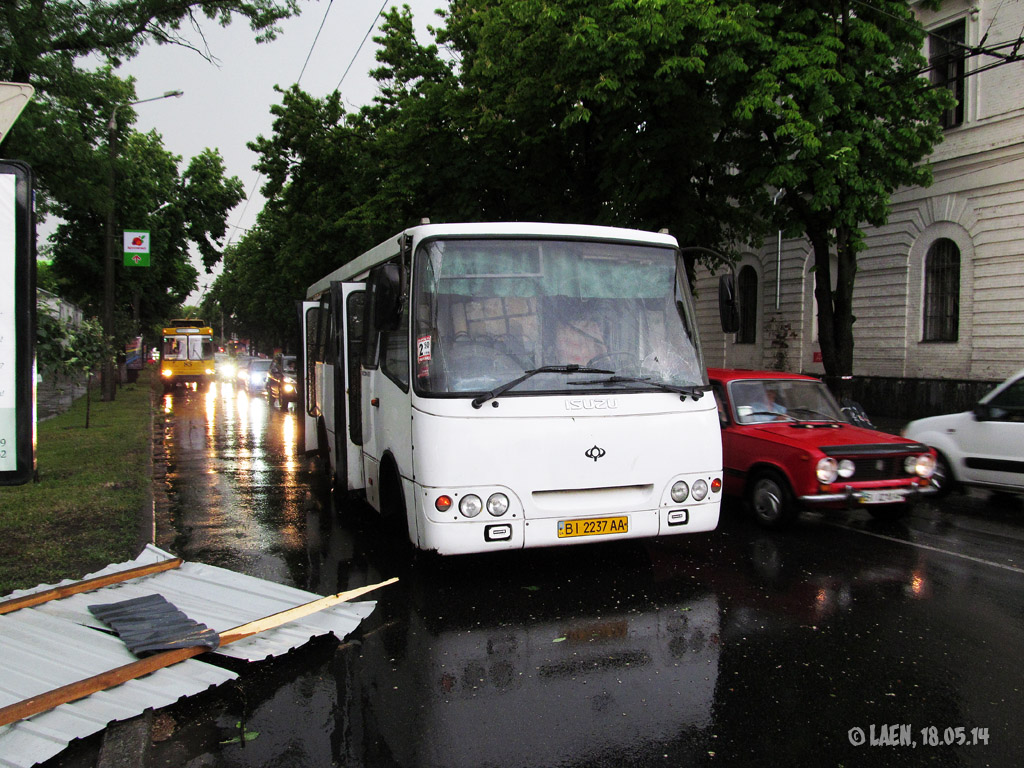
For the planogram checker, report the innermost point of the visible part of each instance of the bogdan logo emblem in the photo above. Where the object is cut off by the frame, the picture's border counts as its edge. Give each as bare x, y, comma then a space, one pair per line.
595, 453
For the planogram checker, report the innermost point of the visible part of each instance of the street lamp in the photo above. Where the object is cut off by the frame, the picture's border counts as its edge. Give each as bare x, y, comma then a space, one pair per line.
108, 261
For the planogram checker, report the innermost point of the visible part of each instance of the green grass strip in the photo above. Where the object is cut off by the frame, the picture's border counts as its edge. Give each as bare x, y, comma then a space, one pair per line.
93, 485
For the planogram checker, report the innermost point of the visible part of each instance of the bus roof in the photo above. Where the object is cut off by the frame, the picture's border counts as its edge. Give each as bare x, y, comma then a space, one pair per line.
358, 268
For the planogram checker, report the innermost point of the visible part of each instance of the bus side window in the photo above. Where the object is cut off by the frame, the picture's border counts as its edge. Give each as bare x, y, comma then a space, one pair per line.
381, 297
395, 346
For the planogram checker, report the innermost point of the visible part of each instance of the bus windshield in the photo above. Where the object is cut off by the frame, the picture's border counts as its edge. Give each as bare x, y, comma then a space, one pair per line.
187, 347
487, 311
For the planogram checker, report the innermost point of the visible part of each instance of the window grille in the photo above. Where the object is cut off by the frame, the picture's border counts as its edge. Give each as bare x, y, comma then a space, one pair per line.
942, 292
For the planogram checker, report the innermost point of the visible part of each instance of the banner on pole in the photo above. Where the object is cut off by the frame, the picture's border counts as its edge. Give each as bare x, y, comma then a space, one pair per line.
136, 248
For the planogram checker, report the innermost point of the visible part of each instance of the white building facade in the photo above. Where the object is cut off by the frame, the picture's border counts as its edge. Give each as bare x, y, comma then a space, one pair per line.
939, 292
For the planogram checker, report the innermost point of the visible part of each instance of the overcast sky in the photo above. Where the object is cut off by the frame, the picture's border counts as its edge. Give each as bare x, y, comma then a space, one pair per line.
228, 103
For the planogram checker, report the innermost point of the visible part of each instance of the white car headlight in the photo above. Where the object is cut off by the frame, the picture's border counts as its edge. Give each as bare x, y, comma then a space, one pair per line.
847, 468
827, 470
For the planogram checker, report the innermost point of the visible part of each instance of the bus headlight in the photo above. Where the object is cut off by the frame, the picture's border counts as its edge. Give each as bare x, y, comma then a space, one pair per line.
680, 491
166, 373
700, 490
470, 505
827, 470
497, 504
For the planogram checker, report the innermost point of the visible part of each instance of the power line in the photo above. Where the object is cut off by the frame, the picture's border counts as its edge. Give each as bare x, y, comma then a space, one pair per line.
315, 39
373, 25
259, 178
323, 21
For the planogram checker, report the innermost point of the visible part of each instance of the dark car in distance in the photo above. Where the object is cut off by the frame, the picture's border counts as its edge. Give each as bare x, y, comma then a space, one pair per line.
281, 380
787, 446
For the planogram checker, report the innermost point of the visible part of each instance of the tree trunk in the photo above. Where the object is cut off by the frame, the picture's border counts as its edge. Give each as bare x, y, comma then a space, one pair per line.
835, 307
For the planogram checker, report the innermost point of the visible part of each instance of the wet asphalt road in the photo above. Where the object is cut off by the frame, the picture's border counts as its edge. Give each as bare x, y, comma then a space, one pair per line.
739, 647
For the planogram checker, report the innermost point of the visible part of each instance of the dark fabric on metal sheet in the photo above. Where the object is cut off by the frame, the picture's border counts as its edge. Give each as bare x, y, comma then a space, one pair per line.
151, 623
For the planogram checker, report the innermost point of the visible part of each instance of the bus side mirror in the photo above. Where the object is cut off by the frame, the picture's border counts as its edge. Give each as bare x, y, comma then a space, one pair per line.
385, 294
728, 309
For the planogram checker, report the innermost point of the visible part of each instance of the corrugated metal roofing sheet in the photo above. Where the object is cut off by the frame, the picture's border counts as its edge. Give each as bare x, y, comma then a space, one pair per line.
56, 643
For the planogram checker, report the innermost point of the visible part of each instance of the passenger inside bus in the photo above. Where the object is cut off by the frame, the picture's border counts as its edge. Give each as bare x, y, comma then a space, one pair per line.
579, 334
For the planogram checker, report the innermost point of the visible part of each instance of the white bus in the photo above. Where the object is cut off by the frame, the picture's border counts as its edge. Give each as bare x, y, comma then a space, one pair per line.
500, 386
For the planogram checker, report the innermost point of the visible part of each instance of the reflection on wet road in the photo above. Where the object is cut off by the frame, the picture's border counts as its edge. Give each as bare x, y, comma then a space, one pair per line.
740, 647
236, 483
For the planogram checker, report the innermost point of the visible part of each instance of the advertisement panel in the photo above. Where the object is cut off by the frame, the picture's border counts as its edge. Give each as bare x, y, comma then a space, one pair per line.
17, 325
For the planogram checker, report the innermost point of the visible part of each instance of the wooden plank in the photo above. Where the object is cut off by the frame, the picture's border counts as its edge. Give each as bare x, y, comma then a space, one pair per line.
87, 585
82, 688
275, 620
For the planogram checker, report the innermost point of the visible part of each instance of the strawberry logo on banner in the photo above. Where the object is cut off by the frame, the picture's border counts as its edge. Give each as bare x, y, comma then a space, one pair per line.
136, 248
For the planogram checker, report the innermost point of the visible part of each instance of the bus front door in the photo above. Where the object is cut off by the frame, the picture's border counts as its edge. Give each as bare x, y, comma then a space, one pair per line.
347, 308
310, 322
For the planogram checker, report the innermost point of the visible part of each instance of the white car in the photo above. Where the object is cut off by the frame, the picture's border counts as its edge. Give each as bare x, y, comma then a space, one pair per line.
983, 447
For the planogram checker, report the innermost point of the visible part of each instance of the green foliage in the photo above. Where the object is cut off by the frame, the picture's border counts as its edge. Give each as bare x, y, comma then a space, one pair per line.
66, 349
68, 352
601, 112
837, 114
686, 114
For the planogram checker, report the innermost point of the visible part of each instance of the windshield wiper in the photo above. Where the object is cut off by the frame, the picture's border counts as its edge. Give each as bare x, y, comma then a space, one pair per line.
812, 412
776, 416
695, 392
571, 368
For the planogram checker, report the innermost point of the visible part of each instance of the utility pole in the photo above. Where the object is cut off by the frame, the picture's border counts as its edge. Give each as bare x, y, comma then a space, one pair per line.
109, 365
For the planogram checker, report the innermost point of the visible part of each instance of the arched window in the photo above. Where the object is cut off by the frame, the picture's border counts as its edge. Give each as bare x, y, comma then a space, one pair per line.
747, 294
942, 292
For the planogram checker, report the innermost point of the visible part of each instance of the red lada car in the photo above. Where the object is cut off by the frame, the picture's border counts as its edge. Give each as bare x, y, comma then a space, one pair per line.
786, 445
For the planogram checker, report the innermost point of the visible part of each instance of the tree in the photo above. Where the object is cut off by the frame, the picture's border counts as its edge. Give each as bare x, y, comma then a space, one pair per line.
834, 111
262, 310
182, 210
689, 114
605, 112
477, 135
63, 134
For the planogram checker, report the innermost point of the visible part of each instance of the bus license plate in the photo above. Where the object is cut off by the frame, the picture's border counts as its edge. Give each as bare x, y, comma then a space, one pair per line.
595, 527
883, 497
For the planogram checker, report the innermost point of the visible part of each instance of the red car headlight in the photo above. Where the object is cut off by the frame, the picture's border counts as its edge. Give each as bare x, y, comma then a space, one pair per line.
827, 470
922, 466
